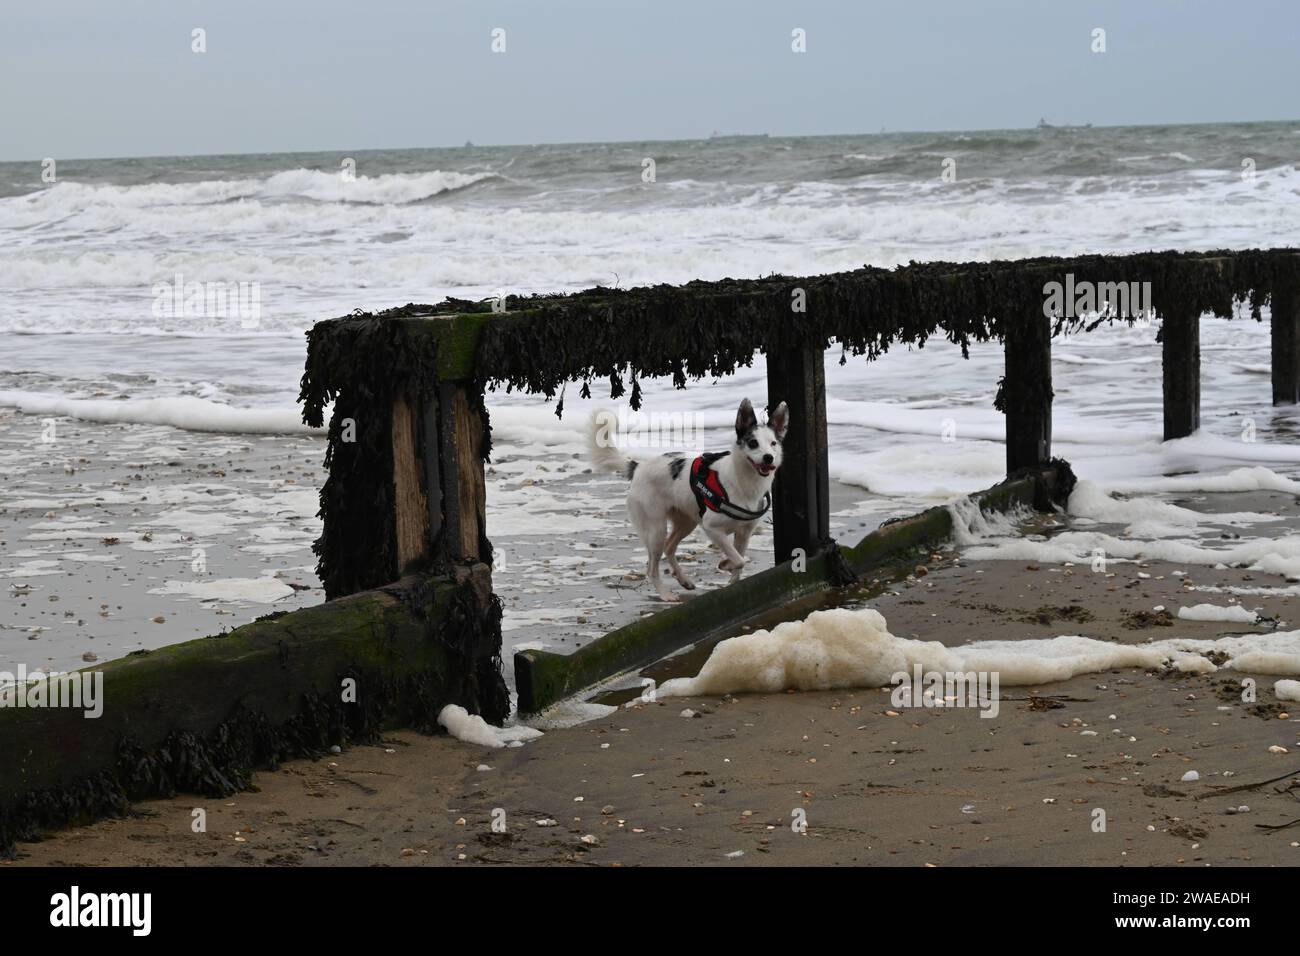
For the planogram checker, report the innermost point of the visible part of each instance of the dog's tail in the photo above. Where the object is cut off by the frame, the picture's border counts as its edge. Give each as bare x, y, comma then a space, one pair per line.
602, 435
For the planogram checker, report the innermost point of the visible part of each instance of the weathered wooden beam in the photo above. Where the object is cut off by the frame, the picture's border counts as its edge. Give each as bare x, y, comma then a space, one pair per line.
1027, 391
462, 429
201, 716
801, 492
458, 335
1285, 332
1180, 336
430, 451
410, 502
439, 488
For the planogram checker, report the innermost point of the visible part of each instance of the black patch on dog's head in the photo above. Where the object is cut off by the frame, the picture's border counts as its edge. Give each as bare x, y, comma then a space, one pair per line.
675, 467
779, 421
746, 421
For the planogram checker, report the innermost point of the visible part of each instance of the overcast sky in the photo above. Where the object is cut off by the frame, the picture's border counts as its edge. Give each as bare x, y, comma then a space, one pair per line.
85, 78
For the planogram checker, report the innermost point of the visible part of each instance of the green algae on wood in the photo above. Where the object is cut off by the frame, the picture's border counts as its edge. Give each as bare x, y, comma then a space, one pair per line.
700, 329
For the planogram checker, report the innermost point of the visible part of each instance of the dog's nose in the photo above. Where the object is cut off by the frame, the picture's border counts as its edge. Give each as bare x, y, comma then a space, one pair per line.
767, 459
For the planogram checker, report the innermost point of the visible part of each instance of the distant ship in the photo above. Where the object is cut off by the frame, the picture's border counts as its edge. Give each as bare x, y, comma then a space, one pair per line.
1043, 124
715, 136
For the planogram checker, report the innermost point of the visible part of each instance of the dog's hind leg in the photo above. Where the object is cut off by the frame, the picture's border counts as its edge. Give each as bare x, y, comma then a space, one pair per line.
654, 545
677, 531
653, 531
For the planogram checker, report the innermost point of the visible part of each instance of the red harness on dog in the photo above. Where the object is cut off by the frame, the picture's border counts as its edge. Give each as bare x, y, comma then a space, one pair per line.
710, 495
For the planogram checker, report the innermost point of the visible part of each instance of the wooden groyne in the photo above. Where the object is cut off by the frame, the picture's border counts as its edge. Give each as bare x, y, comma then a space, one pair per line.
201, 716
411, 623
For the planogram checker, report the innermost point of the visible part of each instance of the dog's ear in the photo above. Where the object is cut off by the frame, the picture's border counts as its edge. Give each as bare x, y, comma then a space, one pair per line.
779, 421
746, 420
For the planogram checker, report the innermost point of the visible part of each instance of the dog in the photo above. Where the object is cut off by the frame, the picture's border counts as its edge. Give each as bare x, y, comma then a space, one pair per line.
725, 492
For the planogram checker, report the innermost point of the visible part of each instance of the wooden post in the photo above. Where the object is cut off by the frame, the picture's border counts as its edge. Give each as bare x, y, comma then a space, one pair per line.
1180, 336
461, 429
1285, 325
410, 503
439, 490
1027, 390
801, 493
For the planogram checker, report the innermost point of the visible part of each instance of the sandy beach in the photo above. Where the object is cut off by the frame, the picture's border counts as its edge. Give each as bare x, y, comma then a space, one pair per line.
731, 783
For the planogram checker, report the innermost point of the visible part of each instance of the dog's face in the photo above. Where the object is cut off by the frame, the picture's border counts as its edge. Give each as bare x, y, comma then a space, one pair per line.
760, 445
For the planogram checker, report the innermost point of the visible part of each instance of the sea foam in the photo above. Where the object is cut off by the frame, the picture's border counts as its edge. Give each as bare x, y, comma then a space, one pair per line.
844, 648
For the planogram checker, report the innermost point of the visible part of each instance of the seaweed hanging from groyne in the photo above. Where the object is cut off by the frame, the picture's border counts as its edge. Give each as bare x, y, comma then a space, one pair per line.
702, 329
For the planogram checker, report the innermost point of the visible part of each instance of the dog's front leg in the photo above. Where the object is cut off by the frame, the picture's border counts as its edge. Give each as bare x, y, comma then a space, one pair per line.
732, 559
742, 548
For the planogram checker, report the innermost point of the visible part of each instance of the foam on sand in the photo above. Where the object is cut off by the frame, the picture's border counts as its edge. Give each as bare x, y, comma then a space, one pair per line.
473, 729
1160, 532
569, 713
840, 648
1256, 478
1090, 500
1233, 614
1287, 690
263, 590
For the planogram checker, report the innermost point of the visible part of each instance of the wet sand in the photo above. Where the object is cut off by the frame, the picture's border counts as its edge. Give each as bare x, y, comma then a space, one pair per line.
925, 787
116, 537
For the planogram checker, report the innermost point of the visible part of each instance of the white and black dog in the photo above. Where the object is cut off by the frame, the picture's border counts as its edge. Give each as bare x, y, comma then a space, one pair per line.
727, 492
